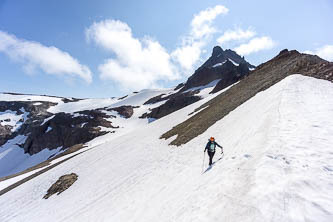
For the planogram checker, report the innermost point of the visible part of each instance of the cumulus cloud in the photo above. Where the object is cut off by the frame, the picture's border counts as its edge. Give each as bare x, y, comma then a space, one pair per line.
143, 63
34, 55
139, 63
325, 52
202, 29
202, 22
187, 55
236, 35
255, 45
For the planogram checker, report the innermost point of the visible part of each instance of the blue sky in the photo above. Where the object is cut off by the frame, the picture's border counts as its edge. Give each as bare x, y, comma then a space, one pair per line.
107, 48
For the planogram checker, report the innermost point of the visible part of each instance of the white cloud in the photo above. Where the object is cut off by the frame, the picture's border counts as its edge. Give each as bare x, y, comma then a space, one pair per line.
49, 59
143, 63
138, 63
309, 52
325, 52
188, 54
201, 31
202, 22
255, 45
236, 35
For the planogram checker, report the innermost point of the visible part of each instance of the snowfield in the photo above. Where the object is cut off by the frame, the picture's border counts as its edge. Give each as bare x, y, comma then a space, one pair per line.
11, 118
134, 99
14, 160
277, 166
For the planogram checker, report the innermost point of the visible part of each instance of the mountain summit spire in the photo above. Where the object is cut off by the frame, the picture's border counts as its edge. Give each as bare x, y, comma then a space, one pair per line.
217, 50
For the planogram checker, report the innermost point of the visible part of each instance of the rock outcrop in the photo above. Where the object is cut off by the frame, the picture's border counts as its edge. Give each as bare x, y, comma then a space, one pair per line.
64, 130
219, 56
34, 114
62, 184
174, 103
46, 130
125, 111
225, 65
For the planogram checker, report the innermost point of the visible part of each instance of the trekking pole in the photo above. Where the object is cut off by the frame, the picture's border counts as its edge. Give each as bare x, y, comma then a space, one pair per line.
203, 162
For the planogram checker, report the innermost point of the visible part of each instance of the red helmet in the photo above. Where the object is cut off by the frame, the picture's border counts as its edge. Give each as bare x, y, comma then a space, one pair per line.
212, 139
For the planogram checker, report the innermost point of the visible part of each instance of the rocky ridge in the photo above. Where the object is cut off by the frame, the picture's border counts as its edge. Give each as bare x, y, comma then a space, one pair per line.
265, 75
41, 129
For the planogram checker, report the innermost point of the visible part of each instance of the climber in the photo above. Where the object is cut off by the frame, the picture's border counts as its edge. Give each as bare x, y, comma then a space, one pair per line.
211, 149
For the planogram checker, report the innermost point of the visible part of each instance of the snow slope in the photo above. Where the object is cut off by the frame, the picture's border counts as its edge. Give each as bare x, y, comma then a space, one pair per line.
277, 167
12, 157
18, 97
135, 99
11, 118
14, 160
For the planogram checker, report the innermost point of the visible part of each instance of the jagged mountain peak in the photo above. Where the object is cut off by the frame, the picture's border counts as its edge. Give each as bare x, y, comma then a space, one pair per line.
220, 56
217, 50
225, 65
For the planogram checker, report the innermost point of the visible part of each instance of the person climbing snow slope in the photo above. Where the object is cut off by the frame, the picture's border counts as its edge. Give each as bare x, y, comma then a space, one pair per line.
211, 149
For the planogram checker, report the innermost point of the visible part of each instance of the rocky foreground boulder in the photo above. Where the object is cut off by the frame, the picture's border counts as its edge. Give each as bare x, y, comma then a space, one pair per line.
62, 184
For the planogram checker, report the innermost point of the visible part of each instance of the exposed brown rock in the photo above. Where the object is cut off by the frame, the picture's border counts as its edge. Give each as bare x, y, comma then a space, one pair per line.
228, 72
122, 97
156, 99
62, 184
35, 116
125, 111
66, 100
175, 103
231, 76
219, 55
179, 86
5, 133
66, 130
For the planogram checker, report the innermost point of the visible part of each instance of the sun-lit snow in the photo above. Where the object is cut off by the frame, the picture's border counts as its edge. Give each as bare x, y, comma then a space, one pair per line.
14, 160
135, 99
13, 119
235, 63
14, 97
221, 63
277, 166
218, 64
206, 89
48, 129
47, 119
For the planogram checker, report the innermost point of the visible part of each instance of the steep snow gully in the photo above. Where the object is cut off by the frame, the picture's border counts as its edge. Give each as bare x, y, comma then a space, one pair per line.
277, 167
